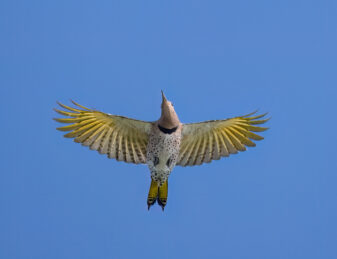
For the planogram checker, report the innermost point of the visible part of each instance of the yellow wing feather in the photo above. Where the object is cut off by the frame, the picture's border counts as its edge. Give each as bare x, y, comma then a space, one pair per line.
119, 137
210, 140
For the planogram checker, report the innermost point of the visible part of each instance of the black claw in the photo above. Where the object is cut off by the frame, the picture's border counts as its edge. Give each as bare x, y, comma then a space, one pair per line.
150, 202
161, 203
149, 206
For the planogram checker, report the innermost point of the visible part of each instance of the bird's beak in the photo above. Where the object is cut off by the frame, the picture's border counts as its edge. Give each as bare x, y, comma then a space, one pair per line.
163, 96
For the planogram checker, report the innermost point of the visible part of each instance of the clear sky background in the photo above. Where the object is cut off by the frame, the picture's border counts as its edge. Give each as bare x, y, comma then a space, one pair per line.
213, 59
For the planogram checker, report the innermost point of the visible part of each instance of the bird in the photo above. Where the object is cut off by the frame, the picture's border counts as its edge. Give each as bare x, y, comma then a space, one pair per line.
161, 144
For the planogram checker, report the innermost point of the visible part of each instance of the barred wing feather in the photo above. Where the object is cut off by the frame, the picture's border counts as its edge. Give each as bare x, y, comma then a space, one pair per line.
119, 137
210, 140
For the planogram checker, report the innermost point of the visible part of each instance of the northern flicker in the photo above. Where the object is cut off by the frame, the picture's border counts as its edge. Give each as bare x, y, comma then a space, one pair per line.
161, 144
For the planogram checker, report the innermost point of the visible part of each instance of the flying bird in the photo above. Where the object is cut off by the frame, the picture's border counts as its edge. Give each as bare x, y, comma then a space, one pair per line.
160, 144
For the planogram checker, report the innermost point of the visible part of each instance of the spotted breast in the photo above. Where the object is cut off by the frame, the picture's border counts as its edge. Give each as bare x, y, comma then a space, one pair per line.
162, 151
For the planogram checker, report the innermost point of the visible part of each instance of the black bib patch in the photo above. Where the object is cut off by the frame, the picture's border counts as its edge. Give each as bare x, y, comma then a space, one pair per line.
167, 131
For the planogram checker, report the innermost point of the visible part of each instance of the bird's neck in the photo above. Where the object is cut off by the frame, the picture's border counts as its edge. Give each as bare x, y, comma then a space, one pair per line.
168, 120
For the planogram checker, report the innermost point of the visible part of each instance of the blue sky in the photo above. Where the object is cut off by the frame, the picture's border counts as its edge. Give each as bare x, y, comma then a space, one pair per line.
213, 59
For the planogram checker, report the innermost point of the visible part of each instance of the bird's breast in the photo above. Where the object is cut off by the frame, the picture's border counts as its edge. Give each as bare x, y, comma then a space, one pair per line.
162, 152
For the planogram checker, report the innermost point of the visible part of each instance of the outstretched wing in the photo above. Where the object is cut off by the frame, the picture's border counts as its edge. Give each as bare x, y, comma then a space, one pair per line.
119, 137
210, 140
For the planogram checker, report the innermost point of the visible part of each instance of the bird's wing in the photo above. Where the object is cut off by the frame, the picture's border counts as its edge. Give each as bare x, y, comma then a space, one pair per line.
210, 140
119, 137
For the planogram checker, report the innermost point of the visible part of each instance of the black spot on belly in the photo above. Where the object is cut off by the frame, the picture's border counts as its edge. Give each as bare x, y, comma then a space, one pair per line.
168, 162
156, 161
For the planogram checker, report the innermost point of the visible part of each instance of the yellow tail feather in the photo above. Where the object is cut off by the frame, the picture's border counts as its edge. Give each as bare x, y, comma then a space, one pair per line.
157, 193
162, 196
153, 194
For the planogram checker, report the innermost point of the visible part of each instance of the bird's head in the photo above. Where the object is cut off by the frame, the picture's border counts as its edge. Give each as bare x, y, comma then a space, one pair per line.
168, 119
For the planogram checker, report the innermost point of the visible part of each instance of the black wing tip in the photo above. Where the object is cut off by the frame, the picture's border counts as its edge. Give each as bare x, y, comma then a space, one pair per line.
250, 114
79, 105
74, 103
57, 111
59, 103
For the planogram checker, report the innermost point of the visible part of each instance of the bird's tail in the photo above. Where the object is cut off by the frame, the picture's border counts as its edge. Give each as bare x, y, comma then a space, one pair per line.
157, 193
